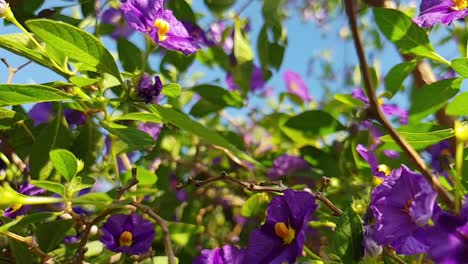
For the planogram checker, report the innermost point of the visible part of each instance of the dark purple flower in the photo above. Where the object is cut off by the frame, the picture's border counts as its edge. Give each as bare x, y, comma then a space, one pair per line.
130, 234
285, 165
150, 17
402, 205
74, 117
378, 170
41, 113
440, 154
228, 254
296, 85
197, 33
281, 238
440, 11
152, 129
387, 109
256, 80
115, 18
449, 238
148, 90
19, 209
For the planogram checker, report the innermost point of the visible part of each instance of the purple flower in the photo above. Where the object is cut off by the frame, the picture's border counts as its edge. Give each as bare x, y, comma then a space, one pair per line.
286, 165
150, 17
41, 113
371, 248
115, 18
197, 33
148, 90
378, 170
130, 234
152, 129
393, 154
218, 37
74, 117
449, 238
296, 85
281, 238
228, 254
440, 153
402, 205
388, 109
440, 11
257, 81
19, 209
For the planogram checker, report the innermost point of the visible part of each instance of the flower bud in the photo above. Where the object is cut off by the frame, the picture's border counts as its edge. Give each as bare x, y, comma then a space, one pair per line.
461, 131
5, 10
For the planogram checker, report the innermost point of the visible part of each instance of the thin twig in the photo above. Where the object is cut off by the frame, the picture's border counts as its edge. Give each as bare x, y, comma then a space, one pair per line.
133, 181
164, 227
12, 70
389, 252
32, 245
377, 111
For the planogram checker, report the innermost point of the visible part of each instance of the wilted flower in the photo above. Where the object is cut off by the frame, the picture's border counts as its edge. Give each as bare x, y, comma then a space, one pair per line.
114, 17
148, 90
449, 237
152, 129
19, 209
285, 165
402, 205
441, 11
150, 17
197, 33
228, 254
371, 248
281, 238
296, 85
130, 234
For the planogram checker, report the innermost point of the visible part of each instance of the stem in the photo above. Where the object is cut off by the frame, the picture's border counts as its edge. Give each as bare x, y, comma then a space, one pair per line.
18, 24
311, 254
32, 245
377, 111
164, 227
459, 176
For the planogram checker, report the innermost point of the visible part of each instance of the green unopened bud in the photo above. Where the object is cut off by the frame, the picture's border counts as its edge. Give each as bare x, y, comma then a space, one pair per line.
8, 196
359, 206
461, 131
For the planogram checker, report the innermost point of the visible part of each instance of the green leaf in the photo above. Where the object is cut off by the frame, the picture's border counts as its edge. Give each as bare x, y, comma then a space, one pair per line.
395, 77
181, 233
135, 138
407, 36
348, 99
141, 116
51, 186
422, 140
76, 43
313, 123
242, 49
7, 226
256, 204
21, 45
459, 105
16, 94
93, 198
204, 107
35, 218
50, 235
172, 90
219, 6
130, 55
432, 97
348, 237
144, 176
8, 118
81, 81
94, 248
64, 162
460, 65
184, 122
219, 96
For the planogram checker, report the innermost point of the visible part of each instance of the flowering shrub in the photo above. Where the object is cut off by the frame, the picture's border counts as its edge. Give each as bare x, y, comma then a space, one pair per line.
179, 132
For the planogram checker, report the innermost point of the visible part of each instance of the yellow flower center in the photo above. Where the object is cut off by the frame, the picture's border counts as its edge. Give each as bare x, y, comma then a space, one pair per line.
460, 4
163, 28
293, 86
380, 101
126, 239
16, 207
287, 233
385, 169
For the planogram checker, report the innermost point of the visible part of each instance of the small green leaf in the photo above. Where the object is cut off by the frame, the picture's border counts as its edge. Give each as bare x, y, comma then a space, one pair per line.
76, 43
313, 123
50, 235
181, 233
395, 77
347, 241
218, 6
130, 55
35, 218
172, 90
93, 198
255, 205
135, 138
144, 176
16, 94
348, 99
460, 65
422, 140
459, 105
141, 116
64, 162
407, 36
51, 186
94, 248
432, 97
242, 49
219, 96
